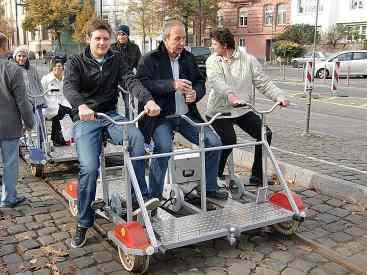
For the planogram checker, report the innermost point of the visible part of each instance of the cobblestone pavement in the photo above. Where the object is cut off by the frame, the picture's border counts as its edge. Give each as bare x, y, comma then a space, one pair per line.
323, 153
35, 239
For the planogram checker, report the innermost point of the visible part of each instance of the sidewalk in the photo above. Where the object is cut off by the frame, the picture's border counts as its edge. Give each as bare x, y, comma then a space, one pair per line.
35, 239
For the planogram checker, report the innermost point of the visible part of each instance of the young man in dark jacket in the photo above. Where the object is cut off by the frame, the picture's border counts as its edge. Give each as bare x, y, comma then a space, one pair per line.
90, 85
174, 80
131, 53
14, 107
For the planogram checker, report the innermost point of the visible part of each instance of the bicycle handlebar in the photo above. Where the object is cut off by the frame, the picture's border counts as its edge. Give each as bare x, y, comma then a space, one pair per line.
121, 123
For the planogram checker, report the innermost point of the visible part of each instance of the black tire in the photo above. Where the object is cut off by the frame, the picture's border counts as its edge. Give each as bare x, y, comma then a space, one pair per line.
133, 263
320, 73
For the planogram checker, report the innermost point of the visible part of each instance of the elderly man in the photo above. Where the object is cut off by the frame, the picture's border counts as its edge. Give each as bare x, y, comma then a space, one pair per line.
14, 107
174, 80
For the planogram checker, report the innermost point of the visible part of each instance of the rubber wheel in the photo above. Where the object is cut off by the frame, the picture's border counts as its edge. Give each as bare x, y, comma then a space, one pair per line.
236, 187
133, 263
73, 207
286, 228
38, 170
320, 73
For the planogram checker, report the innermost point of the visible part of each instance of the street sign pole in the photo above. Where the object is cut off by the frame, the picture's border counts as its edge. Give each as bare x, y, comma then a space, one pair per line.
308, 114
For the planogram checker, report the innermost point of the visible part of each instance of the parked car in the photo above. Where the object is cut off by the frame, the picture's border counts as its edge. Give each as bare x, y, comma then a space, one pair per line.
352, 62
55, 55
201, 54
300, 61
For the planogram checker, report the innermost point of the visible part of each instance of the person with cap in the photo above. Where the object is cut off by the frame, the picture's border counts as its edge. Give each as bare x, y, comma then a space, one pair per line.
14, 107
57, 104
130, 52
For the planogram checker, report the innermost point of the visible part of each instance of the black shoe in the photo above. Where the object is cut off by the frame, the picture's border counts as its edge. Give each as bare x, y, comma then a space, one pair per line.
256, 181
18, 200
218, 195
80, 237
59, 143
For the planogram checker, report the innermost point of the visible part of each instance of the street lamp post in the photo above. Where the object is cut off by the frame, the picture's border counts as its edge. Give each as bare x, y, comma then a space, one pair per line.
200, 19
308, 115
100, 8
16, 19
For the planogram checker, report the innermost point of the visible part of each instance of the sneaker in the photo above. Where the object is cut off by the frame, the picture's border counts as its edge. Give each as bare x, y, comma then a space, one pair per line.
18, 200
218, 195
80, 237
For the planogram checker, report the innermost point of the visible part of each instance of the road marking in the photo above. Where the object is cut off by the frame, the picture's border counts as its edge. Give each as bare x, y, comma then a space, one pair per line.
327, 100
321, 160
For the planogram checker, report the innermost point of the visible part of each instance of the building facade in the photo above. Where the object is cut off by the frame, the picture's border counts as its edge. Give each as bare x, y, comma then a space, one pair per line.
38, 41
350, 13
255, 23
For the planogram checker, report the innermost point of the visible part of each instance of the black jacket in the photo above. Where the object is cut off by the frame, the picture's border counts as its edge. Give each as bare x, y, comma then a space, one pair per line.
155, 72
130, 51
88, 82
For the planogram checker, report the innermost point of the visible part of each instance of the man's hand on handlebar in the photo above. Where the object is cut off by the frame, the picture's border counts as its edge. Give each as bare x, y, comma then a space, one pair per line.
151, 108
86, 113
233, 99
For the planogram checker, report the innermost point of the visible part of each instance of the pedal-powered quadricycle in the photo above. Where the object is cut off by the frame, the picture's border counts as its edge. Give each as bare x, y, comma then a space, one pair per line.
178, 222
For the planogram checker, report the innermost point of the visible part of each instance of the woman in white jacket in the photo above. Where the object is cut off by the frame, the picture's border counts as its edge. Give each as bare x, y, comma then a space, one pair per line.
57, 104
231, 73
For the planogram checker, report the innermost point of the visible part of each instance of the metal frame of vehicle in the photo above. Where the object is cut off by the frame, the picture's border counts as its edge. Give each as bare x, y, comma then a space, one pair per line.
137, 240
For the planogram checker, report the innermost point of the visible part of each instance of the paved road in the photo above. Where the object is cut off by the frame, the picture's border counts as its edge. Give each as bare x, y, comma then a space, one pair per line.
35, 239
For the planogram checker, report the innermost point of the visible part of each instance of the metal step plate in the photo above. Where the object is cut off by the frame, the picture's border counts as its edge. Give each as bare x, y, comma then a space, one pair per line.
68, 153
177, 232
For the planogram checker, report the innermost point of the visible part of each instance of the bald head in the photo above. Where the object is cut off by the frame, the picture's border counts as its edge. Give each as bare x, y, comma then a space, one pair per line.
174, 38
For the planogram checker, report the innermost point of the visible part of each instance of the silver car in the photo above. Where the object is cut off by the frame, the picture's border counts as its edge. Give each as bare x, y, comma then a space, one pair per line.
300, 61
353, 63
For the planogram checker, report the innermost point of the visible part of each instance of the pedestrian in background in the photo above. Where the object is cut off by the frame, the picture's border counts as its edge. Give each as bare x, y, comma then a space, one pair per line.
14, 107
57, 104
131, 54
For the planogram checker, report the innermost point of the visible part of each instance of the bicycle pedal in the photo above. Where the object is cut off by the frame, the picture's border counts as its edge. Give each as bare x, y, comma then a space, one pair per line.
98, 204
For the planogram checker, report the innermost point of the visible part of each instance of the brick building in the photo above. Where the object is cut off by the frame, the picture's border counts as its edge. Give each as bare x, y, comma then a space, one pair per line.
255, 23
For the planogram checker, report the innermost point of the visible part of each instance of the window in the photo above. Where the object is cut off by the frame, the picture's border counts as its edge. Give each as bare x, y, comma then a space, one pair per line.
363, 32
44, 35
344, 57
268, 15
356, 4
220, 19
281, 14
360, 55
300, 6
243, 17
242, 42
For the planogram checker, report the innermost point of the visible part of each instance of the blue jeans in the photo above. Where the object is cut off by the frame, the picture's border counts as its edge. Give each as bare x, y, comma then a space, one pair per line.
10, 154
89, 136
162, 138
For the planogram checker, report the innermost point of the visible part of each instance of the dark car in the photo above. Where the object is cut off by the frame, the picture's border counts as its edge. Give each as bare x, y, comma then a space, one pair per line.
55, 55
201, 54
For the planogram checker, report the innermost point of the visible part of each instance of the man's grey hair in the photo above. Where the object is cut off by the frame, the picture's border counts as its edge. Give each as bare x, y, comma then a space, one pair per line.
169, 25
3, 41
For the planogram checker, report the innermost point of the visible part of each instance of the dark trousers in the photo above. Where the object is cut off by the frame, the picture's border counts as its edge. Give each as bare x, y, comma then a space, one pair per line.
56, 133
251, 124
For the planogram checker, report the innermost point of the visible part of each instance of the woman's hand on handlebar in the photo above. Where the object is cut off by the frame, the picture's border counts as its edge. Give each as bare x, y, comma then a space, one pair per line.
152, 108
284, 103
233, 99
86, 113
